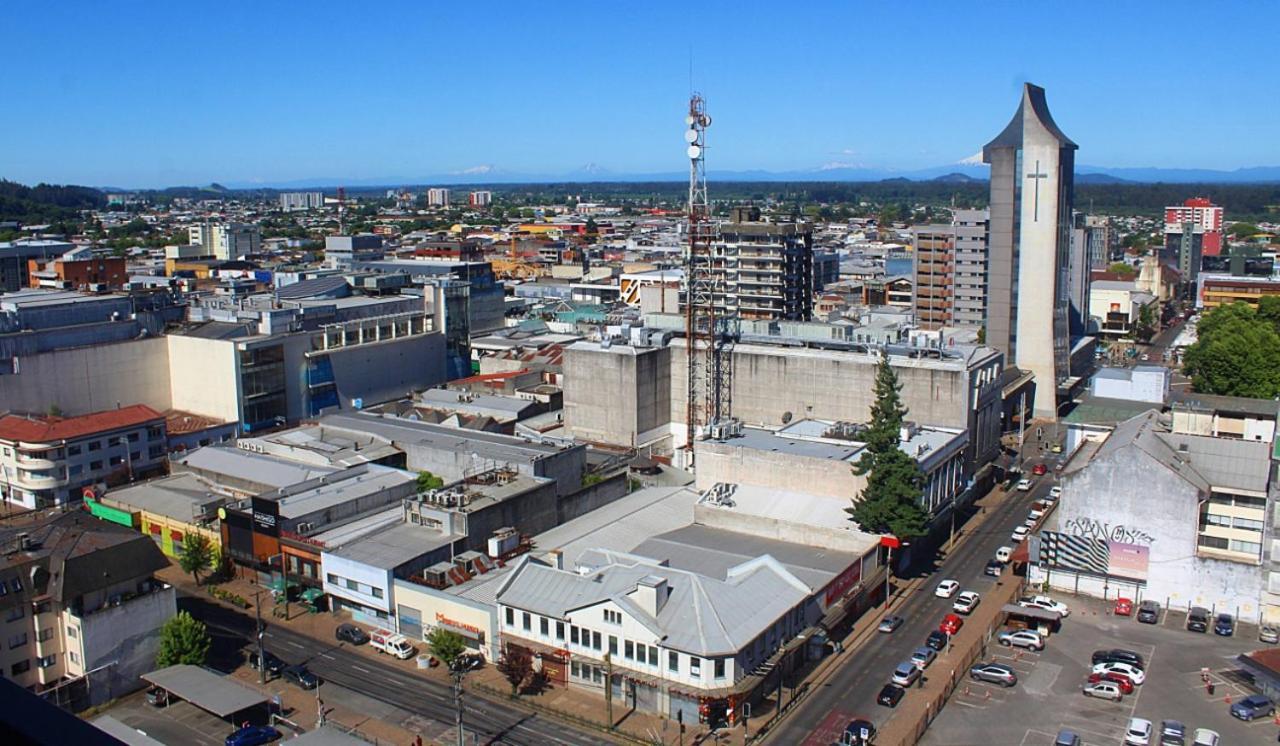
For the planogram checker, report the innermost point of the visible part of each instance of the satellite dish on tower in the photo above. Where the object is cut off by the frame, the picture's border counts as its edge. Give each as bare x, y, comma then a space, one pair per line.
706, 121
689, 120
694, 152
691, 136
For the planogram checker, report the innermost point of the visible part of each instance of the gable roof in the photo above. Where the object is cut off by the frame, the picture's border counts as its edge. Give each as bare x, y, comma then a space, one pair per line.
52, 429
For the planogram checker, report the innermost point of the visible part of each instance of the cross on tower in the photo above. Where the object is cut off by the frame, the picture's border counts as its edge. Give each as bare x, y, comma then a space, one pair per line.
1037, 175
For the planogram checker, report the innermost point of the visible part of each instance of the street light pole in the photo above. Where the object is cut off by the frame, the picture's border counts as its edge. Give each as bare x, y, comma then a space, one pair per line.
608, 687
457, 673
262, 662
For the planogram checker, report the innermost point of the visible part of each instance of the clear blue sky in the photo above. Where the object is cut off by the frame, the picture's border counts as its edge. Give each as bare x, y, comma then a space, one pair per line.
161, 93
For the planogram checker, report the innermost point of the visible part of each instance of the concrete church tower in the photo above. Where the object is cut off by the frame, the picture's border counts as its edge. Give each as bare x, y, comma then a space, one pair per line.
1032, 191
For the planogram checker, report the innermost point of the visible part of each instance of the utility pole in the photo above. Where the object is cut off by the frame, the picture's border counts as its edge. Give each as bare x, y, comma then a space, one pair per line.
888, 573
262, 662
608, 687
457, 672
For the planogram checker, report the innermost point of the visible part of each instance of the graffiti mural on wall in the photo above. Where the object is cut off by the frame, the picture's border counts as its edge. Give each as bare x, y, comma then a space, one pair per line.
1093, 529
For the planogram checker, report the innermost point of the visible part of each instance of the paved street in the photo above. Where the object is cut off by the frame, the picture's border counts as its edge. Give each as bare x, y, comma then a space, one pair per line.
495, 722
851, 691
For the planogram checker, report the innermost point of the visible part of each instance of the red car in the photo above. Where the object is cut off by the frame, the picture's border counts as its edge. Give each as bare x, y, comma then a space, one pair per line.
1120, 680
951, 624
1124, 606
1039, 470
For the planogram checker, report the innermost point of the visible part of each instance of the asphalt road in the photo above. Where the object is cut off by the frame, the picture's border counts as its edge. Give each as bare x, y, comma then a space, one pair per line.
496, 722
851, 691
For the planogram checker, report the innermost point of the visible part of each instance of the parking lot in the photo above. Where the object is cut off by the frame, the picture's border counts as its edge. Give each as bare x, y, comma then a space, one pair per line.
1048, 696
180, 722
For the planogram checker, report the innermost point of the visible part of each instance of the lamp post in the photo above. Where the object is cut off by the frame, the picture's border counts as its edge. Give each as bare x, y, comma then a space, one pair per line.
262, 663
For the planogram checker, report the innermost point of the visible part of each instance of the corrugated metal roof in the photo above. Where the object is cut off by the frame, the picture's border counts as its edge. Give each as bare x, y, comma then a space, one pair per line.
205, 689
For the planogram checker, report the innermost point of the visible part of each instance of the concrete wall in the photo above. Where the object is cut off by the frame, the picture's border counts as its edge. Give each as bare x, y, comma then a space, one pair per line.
367, 578
434, 606
129, 635
612, 395
588, 499
725, 462
847, 540
206, 374
566, 467
384, 371
91, 379
530, 512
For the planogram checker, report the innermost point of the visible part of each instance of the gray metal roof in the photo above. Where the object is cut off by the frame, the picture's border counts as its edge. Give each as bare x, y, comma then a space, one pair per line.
254, 467
220, 695
1204, 461
326, 736
394, 546
183, 497
1265, 408
623, 524
124, 733
493, 446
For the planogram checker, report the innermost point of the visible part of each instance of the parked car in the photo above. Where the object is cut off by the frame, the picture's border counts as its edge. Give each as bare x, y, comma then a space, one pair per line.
1149, 612
1023, 638
951, 624
1123, 607
946, 589
859, 733
1024, 485
994, 673
351, 633
253, 735
468, 662
1003, 554
1133, 673
966, 602
937, 640
1268, 634
1206, 737
1103, 690
1119, 655
1054, 493
300, 676
890, 623
274, 664
905, 674
391, 643
1019, 534
1173, 733
1056, 448
1046, 603
1198, 619
1224, 625
157, 697
1039, 470
1138, 732
1253, 706
923, 657
1067, 738
1035, 514
1125, 685
890, 695
994, 568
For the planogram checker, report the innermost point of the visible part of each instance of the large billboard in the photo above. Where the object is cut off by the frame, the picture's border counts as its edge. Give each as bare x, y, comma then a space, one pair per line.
1102, 557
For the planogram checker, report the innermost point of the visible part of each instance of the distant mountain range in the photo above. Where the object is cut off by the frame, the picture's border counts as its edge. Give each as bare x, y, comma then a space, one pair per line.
967, 170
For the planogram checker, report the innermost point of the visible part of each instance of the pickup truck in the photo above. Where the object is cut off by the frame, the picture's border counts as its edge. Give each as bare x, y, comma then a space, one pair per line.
391, 643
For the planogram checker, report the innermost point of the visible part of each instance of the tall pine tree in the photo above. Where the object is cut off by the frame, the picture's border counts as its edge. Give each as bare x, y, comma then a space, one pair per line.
890, 503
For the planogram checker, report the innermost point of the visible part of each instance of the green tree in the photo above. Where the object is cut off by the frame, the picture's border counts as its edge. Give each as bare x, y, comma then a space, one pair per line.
183, 639
446, 645
1237, 354
890, 502
1145, 326
1269, 310
1121, 268
515, 665
196, 555
1243, 230
982, 335
428, 481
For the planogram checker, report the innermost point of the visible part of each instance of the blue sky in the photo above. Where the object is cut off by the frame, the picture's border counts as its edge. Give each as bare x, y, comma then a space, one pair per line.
161, 93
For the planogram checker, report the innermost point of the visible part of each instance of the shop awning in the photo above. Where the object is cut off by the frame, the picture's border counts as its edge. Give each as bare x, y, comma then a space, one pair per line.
277, 584
310, 595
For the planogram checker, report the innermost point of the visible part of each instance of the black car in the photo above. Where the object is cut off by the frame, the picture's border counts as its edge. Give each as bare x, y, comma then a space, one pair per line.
274, 664
937, 640
300, 676
351, 633
468, 662
858, 733
1198, 619
890, 695
1149, 612
994, 568
1224, 625
1120, 656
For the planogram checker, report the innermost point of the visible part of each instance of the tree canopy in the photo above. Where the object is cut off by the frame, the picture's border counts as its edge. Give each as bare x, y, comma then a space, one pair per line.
183, 639
516, 666
1121, 268
446, 645
890, 502
1237, 352
197, 555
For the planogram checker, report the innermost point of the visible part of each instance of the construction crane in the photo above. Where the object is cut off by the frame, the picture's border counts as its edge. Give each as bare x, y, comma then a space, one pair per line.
708, 335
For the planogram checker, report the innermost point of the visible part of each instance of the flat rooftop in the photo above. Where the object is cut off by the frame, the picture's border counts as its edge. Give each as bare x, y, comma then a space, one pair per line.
272, 471
488, 445
335, 489
621, 525
182, 497
392, 547
28, 298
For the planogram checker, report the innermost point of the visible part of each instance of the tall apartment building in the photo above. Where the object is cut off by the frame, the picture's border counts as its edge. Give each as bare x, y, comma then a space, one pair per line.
1032, 192
1187, 247
226, 240
1079, 278
951, 271
480, 199
437, 197
1201, 213
763, 270
1101, 239
296, 201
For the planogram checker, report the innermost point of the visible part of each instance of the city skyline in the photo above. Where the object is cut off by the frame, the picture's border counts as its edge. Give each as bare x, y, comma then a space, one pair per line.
187, 95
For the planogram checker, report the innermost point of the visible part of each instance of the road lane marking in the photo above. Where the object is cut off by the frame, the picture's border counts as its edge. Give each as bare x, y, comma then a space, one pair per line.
360, 668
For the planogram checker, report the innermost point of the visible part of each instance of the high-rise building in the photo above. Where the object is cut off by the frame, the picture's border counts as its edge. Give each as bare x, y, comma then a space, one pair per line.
1186, 246
298, 201
1100, 239
226, 240
437, 197
1032, 191
480, 199
951, 271
763, 270
1079, 278
1201, 213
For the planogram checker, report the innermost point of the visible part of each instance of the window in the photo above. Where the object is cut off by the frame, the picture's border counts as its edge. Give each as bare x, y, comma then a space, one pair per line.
352, 585
331, 578
14, 614
543, 627
629, 650
653, 656
115, 460
44, 607
95, 465
155, 451
595, 640
135, 455
74, 470
16, 584
114, 440
695, 667
673, 661
573, 634
21, 666
719, 668
75, 657
72, 632
1213, 542
71, 451
559, 630
46, 661
613, 646
45, 634
612, 617
133, 437
95, 445
1248, 523
511, 617
17, 641
1251, 547
377, 592
526, 622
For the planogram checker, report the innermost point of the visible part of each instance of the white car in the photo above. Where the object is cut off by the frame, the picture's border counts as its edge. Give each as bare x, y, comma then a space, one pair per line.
947, 589
1046, 603
1124, 669
1024, 485
1035, 514
1206, 737
905, 674
1023, 638
923, 657
1055, 492
966, 602
1138, 733
1019, 534
1103, 690
1003, 554
1030, 523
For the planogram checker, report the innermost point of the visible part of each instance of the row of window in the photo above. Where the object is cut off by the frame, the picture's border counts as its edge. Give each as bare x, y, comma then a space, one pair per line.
1234, 545
354, 585
1226, 521
24, 665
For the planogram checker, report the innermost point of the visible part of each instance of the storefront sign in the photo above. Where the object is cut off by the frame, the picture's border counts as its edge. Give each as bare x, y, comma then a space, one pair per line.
475, 631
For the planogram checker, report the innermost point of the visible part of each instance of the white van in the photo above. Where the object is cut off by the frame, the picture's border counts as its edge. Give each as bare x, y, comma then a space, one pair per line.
391, 643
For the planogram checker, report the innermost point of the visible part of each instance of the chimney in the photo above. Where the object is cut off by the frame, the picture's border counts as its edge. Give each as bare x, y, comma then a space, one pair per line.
556, 558
651, 593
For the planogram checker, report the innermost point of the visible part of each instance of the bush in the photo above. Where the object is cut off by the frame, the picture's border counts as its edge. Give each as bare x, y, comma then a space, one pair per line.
232, 598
